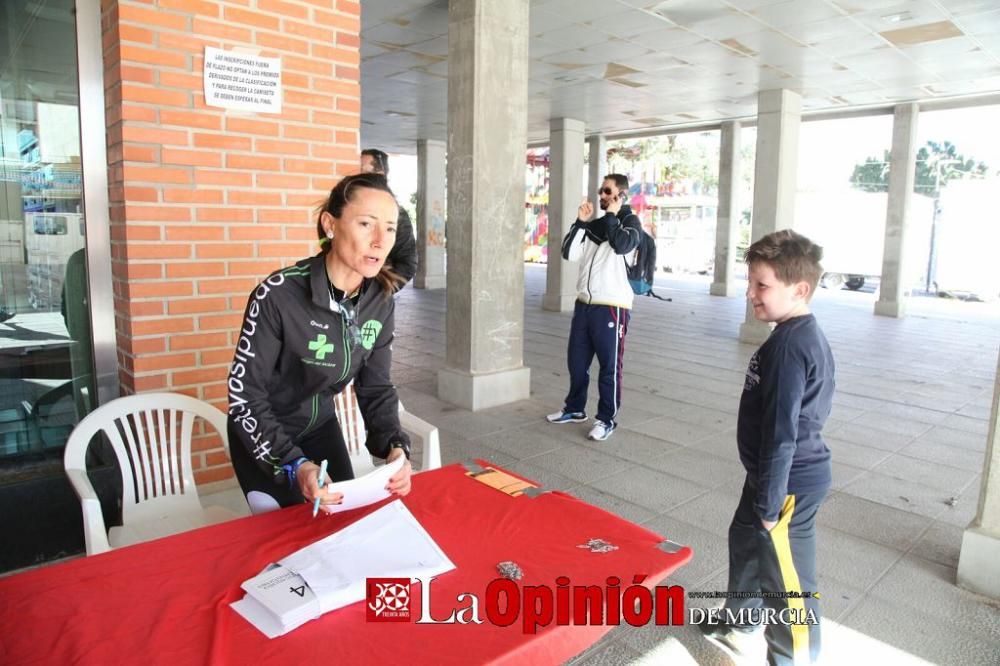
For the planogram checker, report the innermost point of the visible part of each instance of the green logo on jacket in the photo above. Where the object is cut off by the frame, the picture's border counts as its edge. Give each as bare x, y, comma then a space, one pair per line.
369, 333
321, 347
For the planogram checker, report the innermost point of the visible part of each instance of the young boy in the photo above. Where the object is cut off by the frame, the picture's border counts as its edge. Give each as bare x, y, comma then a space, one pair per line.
786, 400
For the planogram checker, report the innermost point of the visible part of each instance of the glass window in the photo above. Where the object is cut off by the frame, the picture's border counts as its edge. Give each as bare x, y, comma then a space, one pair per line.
46, 377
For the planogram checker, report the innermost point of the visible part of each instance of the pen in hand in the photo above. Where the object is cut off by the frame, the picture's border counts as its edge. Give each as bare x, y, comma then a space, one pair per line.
320, 483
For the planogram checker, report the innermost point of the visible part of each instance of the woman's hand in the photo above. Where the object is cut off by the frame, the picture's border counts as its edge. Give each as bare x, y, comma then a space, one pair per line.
308, 478
399, 483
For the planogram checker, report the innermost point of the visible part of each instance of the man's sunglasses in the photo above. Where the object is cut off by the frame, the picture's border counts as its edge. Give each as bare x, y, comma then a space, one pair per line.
606, 191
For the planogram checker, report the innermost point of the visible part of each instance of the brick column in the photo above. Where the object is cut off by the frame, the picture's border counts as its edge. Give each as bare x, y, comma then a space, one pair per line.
207, 201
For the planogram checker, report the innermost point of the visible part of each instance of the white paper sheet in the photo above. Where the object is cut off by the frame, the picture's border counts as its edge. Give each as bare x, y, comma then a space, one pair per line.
256, 614
387, 543
366, 490
284, 593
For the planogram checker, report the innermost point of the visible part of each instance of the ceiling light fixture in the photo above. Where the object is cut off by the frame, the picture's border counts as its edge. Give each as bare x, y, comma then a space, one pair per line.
898, 17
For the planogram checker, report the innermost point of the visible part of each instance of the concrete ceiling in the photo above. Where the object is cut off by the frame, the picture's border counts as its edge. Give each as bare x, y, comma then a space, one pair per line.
634, 65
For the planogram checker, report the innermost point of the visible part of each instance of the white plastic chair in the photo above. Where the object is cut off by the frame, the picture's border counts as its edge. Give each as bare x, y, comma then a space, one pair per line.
151, 437
353, 426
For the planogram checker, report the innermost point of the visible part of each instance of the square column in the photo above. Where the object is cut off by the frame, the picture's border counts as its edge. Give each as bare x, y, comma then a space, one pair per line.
979, 559
430, 215
597, 165
902, 165
487, 140
779, 114
565, 194
727, 226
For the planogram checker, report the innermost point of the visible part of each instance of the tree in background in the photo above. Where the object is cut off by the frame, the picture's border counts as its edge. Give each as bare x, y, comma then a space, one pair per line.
697, 161
873, 175
937, 163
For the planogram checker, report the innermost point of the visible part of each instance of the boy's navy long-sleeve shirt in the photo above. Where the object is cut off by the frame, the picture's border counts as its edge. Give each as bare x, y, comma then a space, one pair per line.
786, 399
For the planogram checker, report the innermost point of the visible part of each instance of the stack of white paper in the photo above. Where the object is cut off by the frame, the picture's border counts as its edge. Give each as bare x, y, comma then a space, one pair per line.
331, 573
281, 595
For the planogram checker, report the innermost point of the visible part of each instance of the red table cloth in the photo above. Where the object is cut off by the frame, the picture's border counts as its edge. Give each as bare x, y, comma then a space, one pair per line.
167, 601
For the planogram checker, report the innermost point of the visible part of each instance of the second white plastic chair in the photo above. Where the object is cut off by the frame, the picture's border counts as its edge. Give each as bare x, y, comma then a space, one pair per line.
422, 434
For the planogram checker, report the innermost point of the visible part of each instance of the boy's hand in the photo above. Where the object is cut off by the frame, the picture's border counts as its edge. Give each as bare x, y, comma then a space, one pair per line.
768, 524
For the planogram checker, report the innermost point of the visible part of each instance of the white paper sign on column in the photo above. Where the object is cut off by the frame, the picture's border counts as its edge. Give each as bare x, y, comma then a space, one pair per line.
242, 81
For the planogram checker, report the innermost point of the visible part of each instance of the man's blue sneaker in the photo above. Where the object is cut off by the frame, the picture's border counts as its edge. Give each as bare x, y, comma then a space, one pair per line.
601, 430
567, 417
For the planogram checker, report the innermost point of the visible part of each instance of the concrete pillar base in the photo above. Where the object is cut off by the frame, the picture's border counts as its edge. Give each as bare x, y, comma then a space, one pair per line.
754, 332
475, 392
430, 281
895, 309
979, 562
726, 289
558, 302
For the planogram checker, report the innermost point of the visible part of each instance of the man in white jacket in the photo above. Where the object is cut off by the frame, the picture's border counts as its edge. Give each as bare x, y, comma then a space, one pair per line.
603, 303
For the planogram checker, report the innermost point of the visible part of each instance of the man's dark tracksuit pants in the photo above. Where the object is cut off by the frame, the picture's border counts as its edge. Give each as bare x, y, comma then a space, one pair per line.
596, 330
780, 561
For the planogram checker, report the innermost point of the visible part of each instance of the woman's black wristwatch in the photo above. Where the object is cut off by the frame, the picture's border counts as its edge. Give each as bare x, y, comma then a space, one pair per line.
399, 444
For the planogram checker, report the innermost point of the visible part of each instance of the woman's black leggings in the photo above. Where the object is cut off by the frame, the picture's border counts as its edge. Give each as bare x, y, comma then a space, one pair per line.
265, 491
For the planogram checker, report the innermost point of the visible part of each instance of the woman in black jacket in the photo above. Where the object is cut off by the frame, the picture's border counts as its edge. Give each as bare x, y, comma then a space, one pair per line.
308, 330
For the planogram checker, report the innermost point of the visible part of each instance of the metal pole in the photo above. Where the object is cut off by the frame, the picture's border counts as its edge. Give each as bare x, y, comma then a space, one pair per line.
934, 216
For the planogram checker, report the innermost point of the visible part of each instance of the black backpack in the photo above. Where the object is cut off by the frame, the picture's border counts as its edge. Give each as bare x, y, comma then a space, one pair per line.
640, 272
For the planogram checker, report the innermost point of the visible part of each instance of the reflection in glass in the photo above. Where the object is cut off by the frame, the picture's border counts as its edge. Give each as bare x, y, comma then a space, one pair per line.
45, 346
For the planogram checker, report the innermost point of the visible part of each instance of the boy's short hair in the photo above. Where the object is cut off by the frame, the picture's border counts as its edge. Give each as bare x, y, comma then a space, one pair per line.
793, 257
620, 180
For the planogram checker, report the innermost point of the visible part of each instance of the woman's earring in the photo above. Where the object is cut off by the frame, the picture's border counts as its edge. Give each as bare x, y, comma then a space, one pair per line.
329, 234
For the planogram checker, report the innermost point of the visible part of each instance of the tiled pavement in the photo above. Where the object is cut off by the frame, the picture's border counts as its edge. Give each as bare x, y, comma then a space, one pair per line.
908, 435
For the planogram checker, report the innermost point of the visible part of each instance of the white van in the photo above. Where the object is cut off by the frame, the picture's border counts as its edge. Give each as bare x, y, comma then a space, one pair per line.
967, 239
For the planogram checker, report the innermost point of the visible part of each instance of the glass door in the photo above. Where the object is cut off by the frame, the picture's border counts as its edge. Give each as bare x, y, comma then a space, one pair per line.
46, 359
